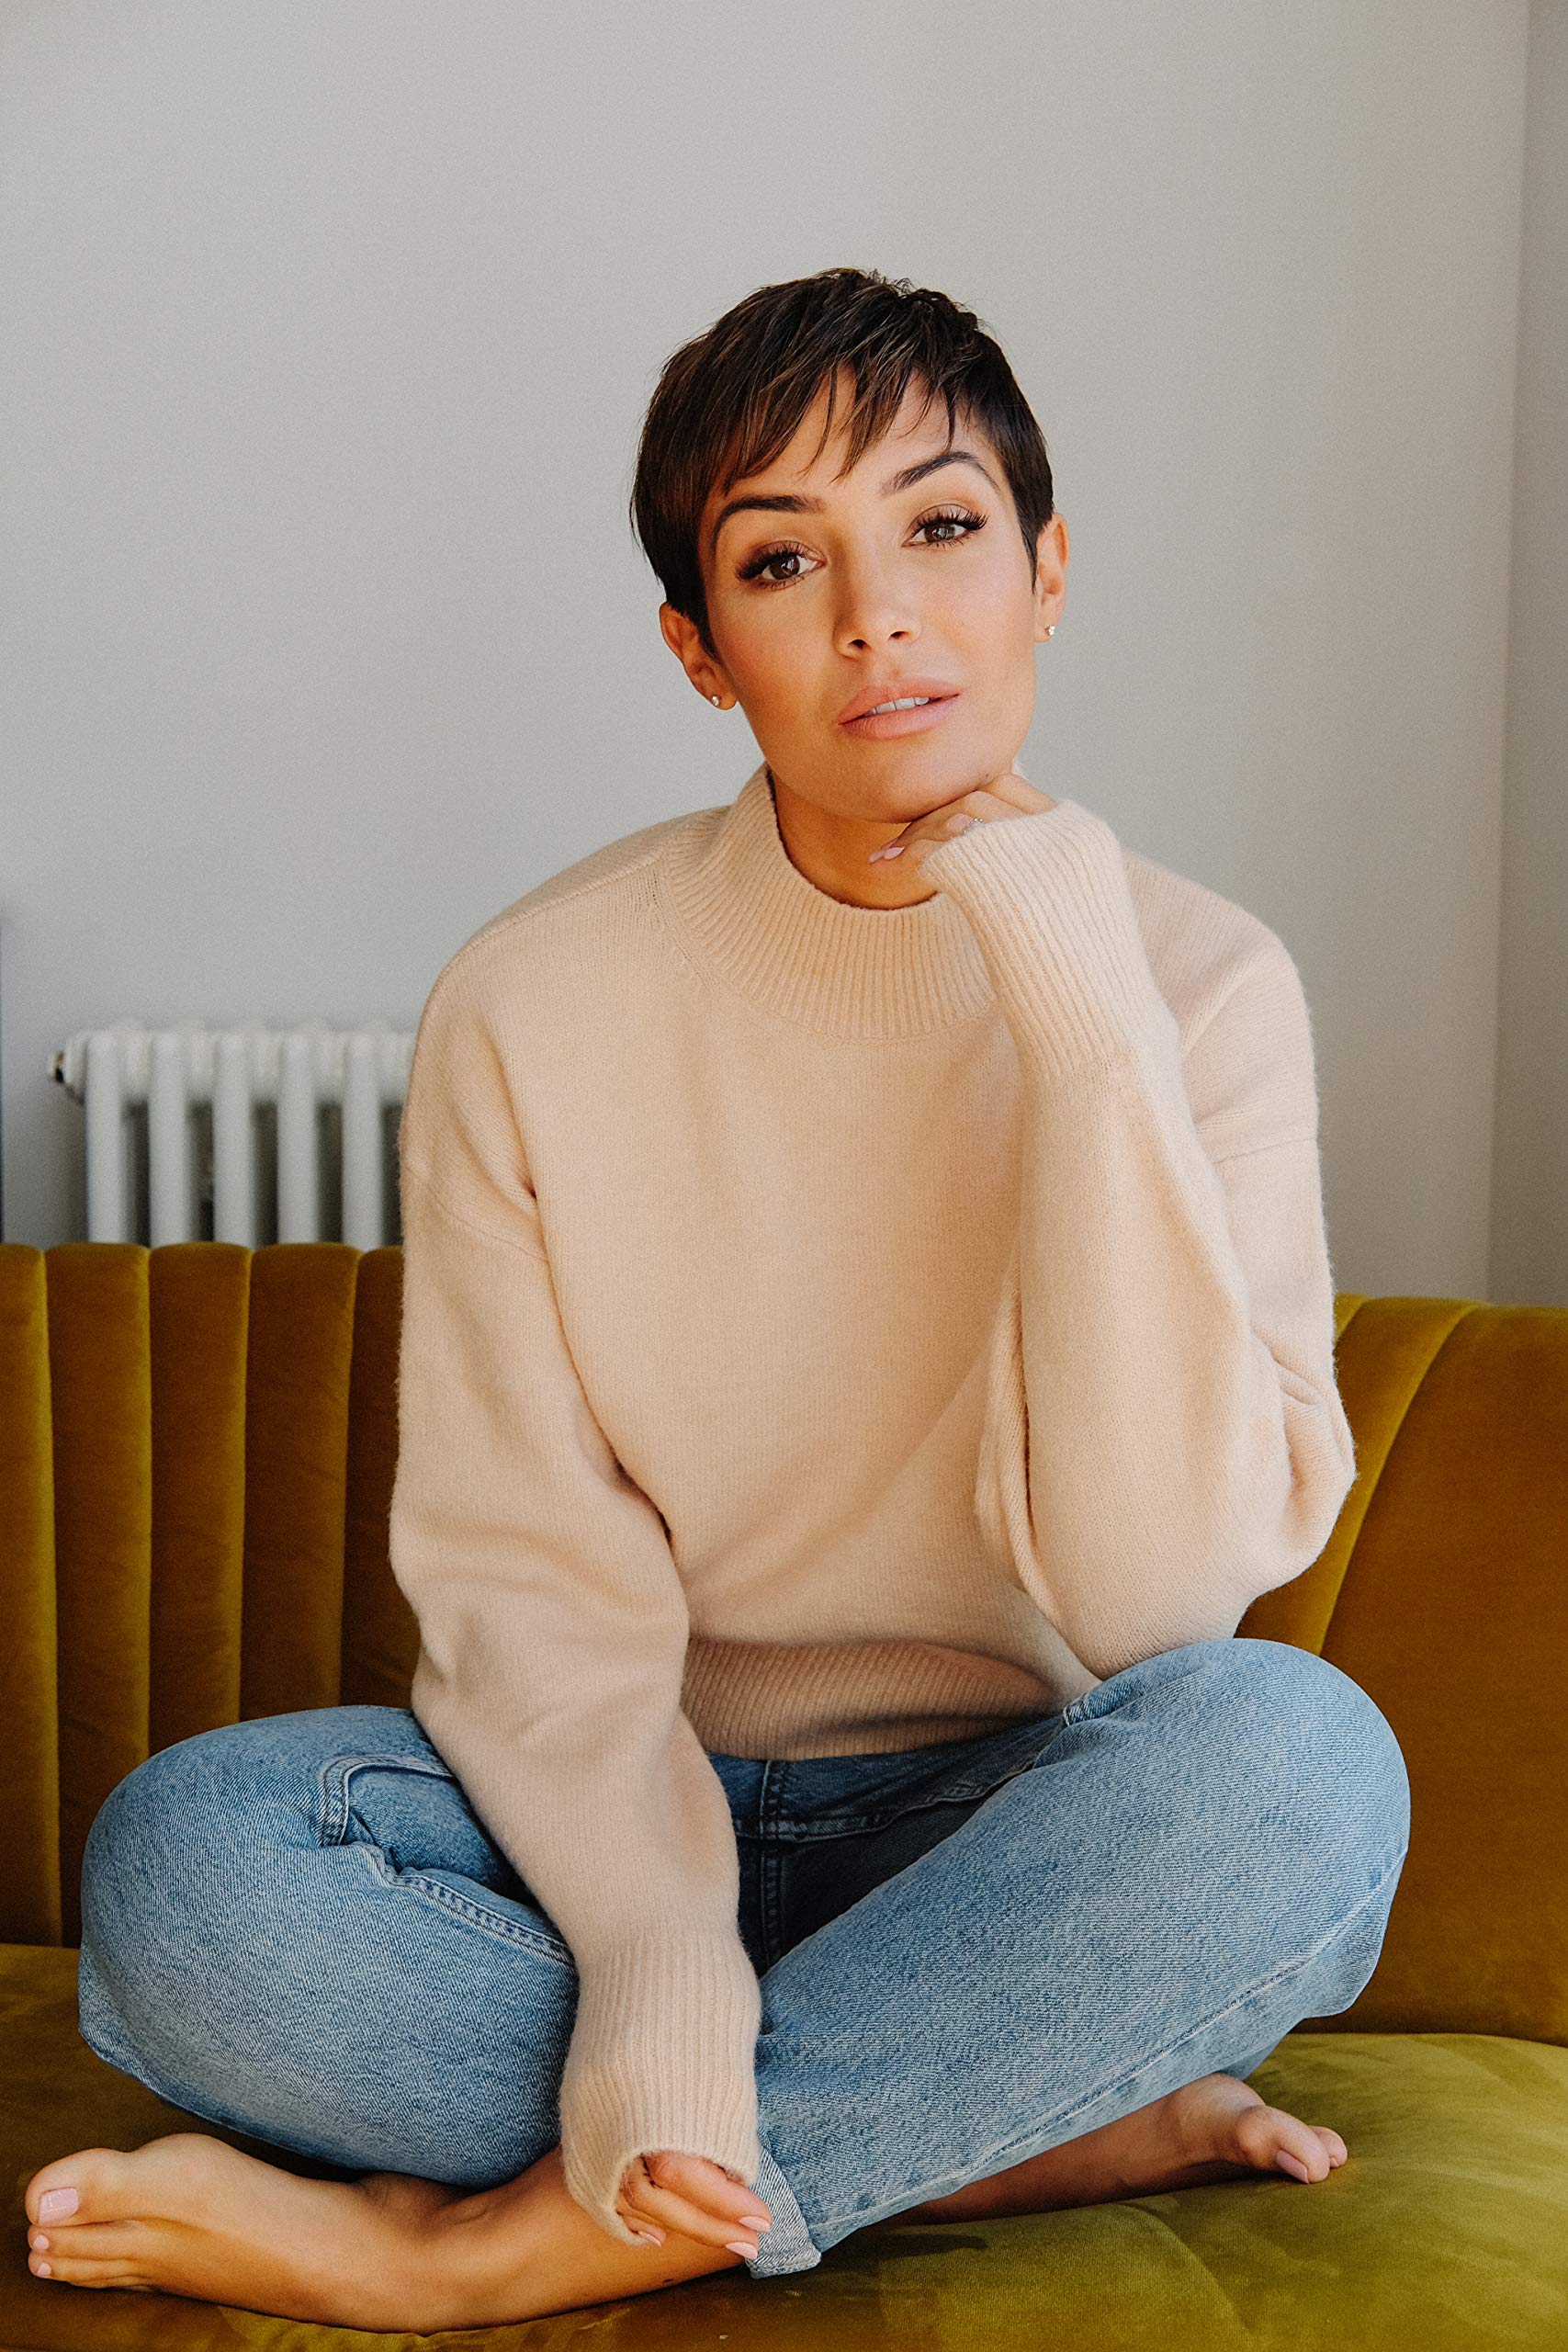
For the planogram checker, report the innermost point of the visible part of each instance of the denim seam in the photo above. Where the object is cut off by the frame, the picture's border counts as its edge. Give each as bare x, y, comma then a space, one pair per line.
968, 1789
334, 1778
770, 1860
1000, 2159
790, 2235
336, 1774
478, 1915
864, 1825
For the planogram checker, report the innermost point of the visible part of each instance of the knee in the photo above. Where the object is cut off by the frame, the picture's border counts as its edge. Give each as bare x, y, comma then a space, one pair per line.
1296, 1750
1310, 1753
147, 1860
185, 1861
176, 1842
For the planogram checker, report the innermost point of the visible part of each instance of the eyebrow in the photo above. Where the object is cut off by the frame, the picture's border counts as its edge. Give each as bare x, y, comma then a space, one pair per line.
793, 502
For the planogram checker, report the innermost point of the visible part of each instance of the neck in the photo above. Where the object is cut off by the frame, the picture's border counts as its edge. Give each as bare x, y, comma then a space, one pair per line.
833, 851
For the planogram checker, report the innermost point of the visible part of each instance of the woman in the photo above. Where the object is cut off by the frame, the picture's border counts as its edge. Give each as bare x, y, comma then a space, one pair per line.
867, 1336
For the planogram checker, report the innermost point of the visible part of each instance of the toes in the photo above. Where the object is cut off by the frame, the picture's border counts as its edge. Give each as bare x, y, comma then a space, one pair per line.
1337, 2151
1278, 2142
66, 2270
95, 2241
90, 2172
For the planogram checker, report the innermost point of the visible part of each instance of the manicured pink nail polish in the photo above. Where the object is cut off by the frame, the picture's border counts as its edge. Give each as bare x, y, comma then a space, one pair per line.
742, 2247
56, 2203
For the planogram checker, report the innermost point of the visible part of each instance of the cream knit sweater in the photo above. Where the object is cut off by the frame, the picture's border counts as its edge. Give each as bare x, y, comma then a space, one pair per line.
829, 1329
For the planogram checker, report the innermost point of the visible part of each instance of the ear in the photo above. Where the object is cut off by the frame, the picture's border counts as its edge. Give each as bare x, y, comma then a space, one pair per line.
1050, 574
708, 676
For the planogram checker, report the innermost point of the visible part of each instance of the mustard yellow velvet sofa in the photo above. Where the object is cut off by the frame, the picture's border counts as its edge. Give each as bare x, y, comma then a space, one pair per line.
196, 1446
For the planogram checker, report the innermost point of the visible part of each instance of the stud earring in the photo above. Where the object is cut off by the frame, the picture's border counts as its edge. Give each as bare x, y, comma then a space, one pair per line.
712, 697
1052, 631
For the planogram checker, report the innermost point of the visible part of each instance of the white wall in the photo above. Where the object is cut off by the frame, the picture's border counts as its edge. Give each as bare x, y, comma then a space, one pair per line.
329, 327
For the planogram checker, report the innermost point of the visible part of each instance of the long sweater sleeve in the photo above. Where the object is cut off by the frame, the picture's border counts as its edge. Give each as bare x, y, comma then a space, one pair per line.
553, 1632
1164, 1438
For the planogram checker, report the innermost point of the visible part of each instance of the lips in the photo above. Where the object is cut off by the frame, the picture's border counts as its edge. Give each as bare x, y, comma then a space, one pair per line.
896, 690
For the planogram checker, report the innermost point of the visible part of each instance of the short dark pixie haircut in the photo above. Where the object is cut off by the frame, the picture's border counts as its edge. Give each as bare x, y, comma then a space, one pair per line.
730, 399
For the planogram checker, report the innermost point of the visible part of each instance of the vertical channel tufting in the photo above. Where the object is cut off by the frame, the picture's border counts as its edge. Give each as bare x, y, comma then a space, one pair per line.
100, 1413
298, 1359
199, 1294
30, 1709
1454, 1618
380, 1634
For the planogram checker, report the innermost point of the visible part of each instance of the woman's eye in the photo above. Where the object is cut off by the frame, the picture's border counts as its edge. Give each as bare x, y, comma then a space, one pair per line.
955, 523
960, 514
761, 564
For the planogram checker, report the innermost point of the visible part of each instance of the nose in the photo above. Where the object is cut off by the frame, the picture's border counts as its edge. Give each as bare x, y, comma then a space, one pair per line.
875, 608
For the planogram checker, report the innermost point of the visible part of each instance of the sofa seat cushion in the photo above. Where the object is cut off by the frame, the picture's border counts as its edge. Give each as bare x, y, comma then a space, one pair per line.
1447, 2228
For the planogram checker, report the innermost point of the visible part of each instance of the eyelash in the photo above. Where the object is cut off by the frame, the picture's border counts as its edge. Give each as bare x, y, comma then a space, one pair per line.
760, 562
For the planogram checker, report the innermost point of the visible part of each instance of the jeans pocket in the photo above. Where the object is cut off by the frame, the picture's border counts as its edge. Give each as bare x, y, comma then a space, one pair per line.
412, 1816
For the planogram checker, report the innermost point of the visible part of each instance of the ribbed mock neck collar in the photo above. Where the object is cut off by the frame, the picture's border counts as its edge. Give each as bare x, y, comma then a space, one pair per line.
751, 917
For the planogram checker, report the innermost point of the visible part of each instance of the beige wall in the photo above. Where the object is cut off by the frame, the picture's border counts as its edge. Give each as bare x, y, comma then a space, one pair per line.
329, 325
1529, 1198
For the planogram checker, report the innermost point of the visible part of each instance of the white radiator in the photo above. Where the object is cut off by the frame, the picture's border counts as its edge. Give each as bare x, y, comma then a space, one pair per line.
240, 1134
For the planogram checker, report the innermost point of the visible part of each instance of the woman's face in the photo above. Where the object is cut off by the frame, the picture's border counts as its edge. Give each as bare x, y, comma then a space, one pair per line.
820, 590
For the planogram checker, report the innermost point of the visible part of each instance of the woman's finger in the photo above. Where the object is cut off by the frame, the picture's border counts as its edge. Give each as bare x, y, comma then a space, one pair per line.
688, 2193
706, 2184
659, 2212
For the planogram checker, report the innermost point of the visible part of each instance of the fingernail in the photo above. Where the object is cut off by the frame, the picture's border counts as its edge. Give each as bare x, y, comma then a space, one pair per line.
742, 2246
56, 2203
893, 849
755, 2221
654, 2237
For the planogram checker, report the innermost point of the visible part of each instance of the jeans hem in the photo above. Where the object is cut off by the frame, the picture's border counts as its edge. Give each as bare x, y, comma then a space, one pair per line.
787, 2245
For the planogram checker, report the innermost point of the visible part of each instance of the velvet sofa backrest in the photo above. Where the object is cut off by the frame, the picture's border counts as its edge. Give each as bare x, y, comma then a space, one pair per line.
196, 1450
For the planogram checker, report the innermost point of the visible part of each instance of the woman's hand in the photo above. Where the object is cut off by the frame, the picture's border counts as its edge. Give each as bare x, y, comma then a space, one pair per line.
691, 2195
1006, 795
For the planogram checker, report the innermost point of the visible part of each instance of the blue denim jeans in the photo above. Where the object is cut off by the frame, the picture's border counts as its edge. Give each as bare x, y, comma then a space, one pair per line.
296, 1926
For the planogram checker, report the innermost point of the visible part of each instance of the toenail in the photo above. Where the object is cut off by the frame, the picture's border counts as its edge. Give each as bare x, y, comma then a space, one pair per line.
40, 2245
56, 2203
44, 2271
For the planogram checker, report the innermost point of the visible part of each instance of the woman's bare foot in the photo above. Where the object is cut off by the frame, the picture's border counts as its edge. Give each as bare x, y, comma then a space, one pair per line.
1214, 2129
190, 2215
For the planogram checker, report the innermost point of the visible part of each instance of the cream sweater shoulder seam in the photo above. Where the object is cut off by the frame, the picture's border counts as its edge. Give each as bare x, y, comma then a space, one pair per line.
545, 896
425, 1179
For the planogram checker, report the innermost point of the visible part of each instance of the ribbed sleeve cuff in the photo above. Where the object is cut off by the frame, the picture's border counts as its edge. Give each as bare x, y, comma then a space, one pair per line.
662, 2055
1048, 900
